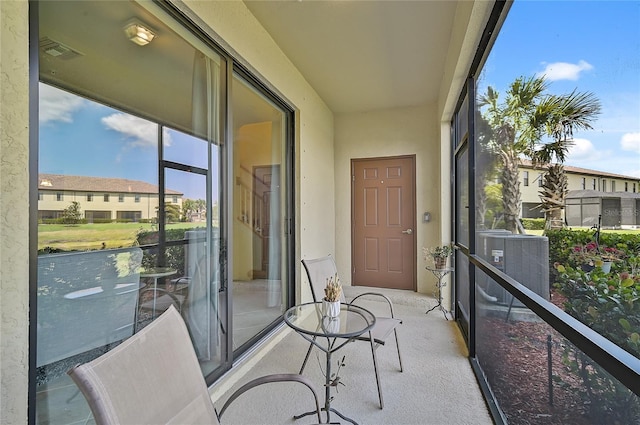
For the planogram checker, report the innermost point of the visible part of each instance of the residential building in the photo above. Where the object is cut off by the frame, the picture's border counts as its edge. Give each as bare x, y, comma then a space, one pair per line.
587, 184
307, 126
101, 198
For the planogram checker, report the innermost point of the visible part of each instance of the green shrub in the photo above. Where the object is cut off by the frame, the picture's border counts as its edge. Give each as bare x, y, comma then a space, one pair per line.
561, 242
609, 303
61, 220
533, 223
174, 255
102, 220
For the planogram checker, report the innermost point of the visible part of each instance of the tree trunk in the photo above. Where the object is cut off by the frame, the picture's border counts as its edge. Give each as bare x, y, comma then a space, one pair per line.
552, 196
481, 205
510, 179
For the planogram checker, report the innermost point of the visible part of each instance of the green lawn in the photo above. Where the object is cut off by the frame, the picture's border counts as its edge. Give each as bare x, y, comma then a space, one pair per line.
91, 236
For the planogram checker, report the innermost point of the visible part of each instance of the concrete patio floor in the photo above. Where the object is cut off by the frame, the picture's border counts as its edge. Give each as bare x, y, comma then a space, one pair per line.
436, 387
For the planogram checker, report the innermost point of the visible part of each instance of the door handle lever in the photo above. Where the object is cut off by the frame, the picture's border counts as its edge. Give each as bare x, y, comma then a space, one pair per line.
408, 231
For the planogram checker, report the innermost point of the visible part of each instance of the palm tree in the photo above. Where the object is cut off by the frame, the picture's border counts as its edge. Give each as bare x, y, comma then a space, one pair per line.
512, 136
485, 169
519, 125
559, 116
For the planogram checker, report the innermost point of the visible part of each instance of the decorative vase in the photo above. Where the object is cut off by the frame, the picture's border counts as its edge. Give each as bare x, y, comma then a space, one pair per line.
330, 308
440, 262
606, 266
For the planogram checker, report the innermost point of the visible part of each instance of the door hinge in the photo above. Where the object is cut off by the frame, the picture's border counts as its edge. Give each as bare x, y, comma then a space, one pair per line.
353, 178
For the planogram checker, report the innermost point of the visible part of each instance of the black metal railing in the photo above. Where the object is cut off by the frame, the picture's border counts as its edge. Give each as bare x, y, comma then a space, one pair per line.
621, 364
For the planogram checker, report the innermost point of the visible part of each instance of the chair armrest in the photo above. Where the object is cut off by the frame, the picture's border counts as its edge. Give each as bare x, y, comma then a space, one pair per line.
376, 294
281, 377
181, 280
158, 292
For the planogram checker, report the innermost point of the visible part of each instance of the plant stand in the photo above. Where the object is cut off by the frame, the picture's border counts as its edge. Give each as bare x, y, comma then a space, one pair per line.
439, 274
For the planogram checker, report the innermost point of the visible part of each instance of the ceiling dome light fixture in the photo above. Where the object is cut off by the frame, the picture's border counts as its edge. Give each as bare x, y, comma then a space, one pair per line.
138, 32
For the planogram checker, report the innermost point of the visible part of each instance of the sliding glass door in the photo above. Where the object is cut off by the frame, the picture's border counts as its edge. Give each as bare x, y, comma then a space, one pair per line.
146, 200
260, 168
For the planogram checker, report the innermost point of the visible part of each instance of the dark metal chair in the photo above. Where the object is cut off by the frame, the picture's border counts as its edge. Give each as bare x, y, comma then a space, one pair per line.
319, 271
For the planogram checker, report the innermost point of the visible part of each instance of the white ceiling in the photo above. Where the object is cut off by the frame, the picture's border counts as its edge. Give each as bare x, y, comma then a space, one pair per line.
364, 55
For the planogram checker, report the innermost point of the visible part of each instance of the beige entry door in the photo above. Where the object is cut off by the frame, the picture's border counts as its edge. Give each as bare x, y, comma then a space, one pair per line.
383, 222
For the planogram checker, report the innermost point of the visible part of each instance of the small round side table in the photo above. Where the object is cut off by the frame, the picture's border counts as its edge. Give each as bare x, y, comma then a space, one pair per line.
439, 274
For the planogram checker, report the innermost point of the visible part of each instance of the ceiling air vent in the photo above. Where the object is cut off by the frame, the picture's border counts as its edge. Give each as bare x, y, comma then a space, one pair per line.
57, 49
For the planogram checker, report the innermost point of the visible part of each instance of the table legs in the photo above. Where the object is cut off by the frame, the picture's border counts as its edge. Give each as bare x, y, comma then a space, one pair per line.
155, 295
439, 297
328, 384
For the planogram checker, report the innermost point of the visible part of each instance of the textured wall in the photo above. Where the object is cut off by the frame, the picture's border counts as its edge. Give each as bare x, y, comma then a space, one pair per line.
14, 208
394, 132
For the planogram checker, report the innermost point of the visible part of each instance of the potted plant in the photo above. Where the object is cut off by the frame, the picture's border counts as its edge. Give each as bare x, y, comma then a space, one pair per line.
591, 255
585, 256
331, 300
610, 255
438, 255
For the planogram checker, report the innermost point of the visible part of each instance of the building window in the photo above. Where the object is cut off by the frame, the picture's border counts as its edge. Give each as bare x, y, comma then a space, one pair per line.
136, 198
634, 188
40, 196
584, 183
174, 199
594, 184
59, 197
106, 197
613, 185
89, 197
121, 197
540, 179
525, 175
604, 185
626, 186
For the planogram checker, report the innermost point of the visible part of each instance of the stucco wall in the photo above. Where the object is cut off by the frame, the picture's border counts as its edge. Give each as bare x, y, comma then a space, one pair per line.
14, 207
403, 131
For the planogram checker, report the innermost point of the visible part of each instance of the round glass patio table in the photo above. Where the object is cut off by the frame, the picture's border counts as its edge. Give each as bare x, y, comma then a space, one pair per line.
309, 322
308, 319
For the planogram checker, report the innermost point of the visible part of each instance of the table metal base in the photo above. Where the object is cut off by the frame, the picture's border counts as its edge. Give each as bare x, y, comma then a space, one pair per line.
440, 274
331, 409
442, 309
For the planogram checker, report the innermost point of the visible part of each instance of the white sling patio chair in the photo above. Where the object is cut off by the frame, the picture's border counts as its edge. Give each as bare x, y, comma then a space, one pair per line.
154, 378
319, 270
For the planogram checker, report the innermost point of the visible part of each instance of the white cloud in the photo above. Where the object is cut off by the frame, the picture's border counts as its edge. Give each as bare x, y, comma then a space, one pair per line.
582, 149
564, 71
142, 133
57, 105
631, 142
587, 155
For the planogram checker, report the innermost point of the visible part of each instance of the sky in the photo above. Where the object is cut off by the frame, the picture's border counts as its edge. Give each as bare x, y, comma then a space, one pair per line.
84, 138
591, 46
